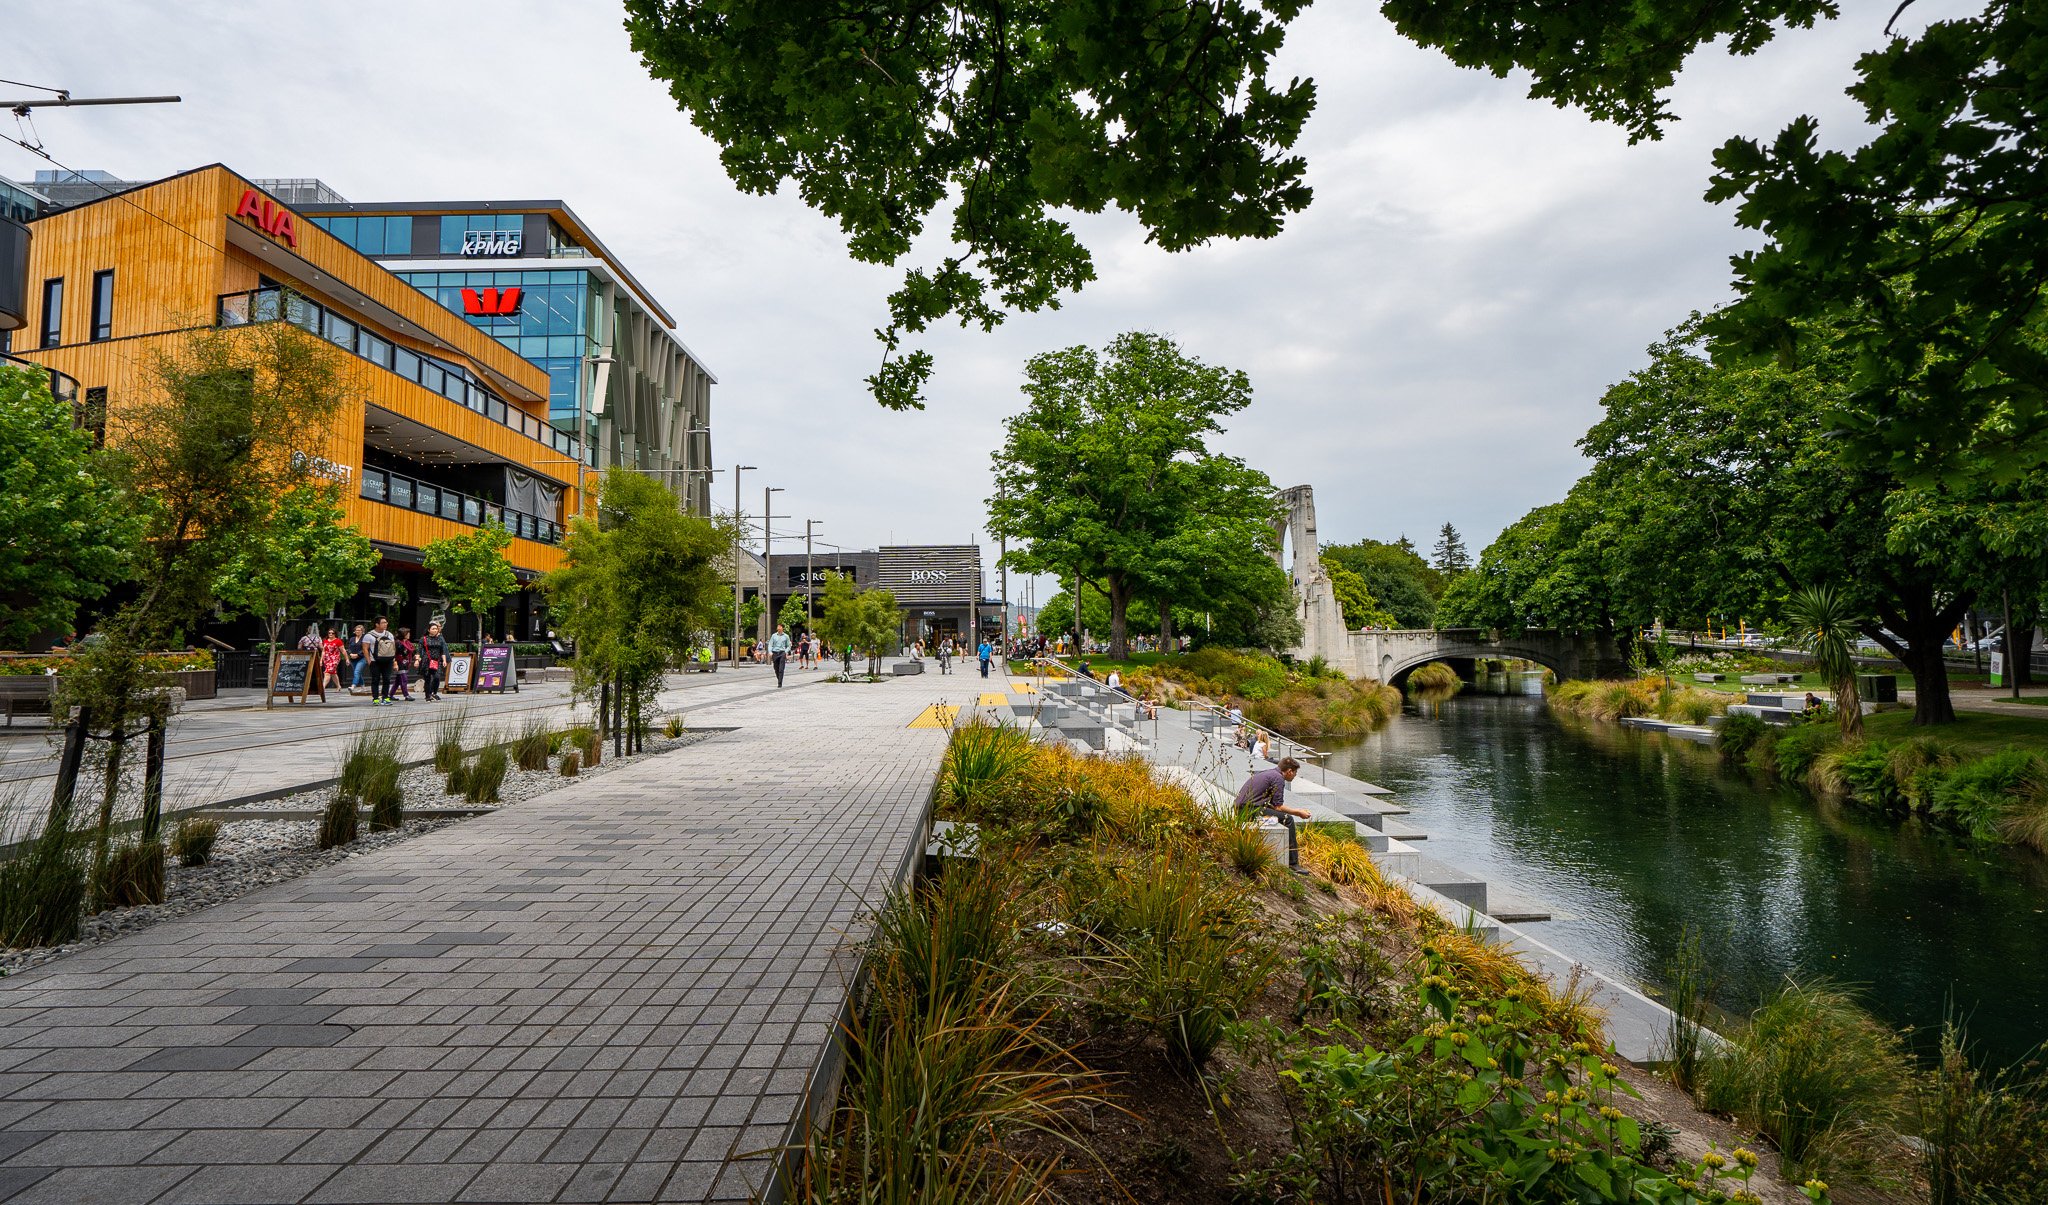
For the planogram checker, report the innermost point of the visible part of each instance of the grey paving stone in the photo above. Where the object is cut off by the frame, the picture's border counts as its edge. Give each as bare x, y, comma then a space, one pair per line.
395, 1184
101, 1185
280, 1184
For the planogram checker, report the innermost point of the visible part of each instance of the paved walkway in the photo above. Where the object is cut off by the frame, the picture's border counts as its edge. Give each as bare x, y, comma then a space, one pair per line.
233, 749
620, 991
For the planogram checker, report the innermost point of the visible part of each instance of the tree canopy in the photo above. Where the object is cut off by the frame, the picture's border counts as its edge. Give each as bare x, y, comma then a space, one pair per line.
472, 570
66, 533
863, 621
1107, 473
304, 553
1399, 580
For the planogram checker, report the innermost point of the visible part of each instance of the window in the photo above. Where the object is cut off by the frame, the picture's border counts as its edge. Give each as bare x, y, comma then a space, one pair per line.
457, 227
92, 415
53, 312
102, 305
374, 482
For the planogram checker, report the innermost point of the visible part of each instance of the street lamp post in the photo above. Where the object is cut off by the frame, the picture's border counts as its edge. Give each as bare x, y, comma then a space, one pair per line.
768, 555
736, 525
810, 580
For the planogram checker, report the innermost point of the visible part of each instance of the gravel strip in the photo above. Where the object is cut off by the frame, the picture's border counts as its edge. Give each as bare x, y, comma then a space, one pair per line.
257, 852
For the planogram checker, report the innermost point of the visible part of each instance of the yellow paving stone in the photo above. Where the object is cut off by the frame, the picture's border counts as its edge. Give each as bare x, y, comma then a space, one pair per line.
938, 715
994, 700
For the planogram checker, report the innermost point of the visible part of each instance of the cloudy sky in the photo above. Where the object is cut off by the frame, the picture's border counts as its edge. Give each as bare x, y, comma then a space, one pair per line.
1426, 343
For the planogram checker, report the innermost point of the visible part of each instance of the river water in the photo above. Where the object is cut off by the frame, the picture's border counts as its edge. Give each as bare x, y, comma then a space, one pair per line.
1631, 837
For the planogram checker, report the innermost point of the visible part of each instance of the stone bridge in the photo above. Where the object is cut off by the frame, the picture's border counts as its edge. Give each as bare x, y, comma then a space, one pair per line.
1389, 655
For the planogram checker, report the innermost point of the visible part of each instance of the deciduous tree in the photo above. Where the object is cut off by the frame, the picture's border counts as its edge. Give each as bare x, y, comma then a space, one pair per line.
472, 570
303, 553
1107, 473
66, 532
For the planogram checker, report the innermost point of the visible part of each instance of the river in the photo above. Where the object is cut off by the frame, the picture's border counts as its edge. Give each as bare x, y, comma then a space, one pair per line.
1631, 837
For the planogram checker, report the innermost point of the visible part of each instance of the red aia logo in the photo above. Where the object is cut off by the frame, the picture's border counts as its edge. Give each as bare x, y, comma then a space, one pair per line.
500, 303
270, 217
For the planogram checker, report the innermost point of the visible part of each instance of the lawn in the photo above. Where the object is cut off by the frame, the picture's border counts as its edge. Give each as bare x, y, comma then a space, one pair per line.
1807, 681
1973, 731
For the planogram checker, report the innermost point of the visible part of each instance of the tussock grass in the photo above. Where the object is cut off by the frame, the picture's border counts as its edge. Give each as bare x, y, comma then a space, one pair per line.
486, 775
1245, 848
450, 731
531, 747
192, 842
1436, 676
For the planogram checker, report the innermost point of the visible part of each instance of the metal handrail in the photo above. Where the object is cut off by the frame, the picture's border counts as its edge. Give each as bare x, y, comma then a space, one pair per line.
1136, 716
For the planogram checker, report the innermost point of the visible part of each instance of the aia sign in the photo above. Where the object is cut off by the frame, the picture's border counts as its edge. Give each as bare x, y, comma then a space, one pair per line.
270, 217
500, 303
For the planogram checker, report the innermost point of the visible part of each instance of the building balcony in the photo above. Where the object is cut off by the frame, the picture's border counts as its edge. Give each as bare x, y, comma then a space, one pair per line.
437, 376
424, 497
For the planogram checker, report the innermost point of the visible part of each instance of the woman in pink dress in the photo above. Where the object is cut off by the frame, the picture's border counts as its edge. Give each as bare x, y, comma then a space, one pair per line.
330, 658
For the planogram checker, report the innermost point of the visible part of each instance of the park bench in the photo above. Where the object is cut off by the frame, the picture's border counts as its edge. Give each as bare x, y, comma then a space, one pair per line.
1769, 679
694, 666
25, 694
1710, 677
905, 668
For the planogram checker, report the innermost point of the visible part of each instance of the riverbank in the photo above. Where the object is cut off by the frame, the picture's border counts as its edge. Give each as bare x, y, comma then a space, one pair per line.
1306, 702
1123, 991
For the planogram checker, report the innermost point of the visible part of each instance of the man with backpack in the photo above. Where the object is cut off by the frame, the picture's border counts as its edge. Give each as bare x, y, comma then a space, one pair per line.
380, 649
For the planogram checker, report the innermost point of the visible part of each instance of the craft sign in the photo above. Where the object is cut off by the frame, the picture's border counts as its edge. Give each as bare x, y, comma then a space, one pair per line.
494, 667
270, 217
459, 667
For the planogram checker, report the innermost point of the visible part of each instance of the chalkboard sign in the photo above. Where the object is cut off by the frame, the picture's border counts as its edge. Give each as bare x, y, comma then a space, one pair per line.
494, 666
294, 674
459, 667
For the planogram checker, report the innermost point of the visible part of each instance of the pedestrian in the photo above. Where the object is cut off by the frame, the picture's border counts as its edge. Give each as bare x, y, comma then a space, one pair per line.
985, 653
332, 650
778, 650
1266, 794
1265, 751
946, 657
1115, 681
433, 661
1237, 729
817, 652
355, 660
310, 642
408, 655
380, 649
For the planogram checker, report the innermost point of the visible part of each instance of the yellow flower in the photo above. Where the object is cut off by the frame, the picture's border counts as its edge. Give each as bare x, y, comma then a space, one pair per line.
1744, 1156
1817, 1185
1714, 1159
1609, 1070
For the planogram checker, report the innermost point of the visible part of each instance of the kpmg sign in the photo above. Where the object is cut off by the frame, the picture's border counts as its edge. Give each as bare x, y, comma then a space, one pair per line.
490, 242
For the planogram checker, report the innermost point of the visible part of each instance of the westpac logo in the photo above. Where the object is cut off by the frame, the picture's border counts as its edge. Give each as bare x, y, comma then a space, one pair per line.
493, 302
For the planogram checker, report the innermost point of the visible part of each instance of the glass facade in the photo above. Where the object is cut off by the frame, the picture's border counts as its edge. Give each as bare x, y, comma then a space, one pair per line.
371, 235
551, 328
456, 227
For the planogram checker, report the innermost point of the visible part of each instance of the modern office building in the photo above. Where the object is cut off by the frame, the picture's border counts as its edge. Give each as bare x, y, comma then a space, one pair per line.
937, 586
534, 277
445, 426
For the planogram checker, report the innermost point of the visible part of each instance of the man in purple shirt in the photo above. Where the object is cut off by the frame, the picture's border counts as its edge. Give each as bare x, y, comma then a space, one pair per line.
1266, 793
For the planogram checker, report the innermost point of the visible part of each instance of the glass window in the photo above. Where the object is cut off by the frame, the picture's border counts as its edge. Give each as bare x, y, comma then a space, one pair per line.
451, 505
377, 351
563, 345
472, 512
401, 492
431, 376
398, 236
370, 236
53, 312
343, 229
453, 226
426, 498
103, 305
374, 484
405, 364
340, 330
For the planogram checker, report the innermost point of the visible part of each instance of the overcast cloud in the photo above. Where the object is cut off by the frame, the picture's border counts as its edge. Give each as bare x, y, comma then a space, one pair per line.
1426, 343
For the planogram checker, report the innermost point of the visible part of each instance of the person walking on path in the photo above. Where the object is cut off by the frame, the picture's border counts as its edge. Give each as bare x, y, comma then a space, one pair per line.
433, 660
332, 650
356, 660
380, 651
408, 653
1266, 793
778, 650
985, 653
946, 657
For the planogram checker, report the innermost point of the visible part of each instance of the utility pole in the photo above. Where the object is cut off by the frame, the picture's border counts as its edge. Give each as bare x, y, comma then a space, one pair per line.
810, 580
768, 557
738, 524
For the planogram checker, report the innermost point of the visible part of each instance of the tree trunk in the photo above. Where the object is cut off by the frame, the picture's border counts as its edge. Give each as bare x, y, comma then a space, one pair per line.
1931, 702
153, 783
1165, 624
2012, 667
1119, 607
65, 794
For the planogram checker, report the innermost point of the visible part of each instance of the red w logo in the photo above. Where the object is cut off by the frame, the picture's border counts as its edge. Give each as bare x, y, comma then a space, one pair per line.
498, 302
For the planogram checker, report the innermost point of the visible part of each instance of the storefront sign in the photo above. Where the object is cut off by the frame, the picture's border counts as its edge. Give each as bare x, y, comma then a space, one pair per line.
491, 302
293, 677
928, 577
494, 667
490, 242
459, 666
820, 574
320, 466
270, 217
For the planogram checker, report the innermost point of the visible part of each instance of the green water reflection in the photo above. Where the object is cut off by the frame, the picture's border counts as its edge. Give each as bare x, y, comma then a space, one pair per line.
1628, 837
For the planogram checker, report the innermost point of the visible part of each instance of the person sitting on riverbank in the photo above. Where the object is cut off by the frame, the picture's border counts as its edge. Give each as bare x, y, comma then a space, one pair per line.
1265, 794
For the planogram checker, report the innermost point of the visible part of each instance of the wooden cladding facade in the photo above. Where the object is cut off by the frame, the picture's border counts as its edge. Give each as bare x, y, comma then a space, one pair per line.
175, 247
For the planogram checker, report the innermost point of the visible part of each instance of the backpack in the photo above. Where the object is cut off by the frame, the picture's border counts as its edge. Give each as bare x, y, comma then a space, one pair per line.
383, 645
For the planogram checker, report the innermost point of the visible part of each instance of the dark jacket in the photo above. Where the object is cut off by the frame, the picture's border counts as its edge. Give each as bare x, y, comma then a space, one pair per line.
1265, 790
433, 648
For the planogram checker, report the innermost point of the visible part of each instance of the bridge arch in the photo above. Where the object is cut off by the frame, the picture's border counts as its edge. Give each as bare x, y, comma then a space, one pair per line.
1394, 668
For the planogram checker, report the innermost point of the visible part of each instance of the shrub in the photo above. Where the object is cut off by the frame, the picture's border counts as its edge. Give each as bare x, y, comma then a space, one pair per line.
672, 728
936, 943
980, 758
1798, 745
1435, 676
369, 777
1915, 766
1738, 734
486, 775
571, 764
133, 875
458, 779
586, 741
339, 823
530, 747
449, 733
192, 843
1816, 1074
1245, 848
42, 889
1341, 860
1979, 795
1984, 1135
